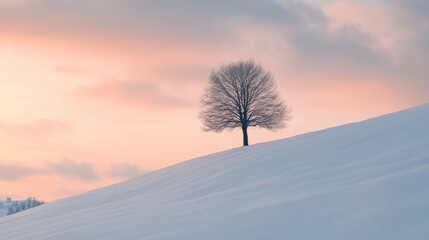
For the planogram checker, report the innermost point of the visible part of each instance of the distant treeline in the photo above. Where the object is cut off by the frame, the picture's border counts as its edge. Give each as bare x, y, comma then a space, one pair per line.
19, 206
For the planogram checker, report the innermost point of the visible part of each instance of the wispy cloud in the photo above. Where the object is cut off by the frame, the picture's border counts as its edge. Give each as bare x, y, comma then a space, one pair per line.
70, 168
34, 128
132, 93
155, 31
124, 171
13, 172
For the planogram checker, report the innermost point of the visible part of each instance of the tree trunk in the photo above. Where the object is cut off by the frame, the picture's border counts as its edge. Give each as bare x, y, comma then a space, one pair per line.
245, 137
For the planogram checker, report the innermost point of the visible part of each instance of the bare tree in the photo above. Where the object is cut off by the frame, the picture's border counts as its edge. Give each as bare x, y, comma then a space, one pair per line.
240, 95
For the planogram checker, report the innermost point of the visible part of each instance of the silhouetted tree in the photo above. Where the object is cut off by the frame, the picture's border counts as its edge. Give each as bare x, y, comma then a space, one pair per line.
240, 95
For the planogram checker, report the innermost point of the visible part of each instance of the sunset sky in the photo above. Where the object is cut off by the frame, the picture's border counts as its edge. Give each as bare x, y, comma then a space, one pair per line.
95, 92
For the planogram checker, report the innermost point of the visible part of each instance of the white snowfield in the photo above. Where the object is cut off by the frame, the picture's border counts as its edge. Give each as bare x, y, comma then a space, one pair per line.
367, 180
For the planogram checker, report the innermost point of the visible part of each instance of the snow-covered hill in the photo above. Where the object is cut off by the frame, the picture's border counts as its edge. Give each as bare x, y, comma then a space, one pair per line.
367, 180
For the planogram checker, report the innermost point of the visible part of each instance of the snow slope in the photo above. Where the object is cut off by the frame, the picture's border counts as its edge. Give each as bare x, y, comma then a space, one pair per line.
366, 180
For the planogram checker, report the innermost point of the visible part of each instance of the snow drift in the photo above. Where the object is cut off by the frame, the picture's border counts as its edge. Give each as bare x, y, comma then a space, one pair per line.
366, 180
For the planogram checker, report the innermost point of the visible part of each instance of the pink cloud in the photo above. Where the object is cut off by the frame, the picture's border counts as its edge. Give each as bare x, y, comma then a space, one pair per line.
14, 172
70, 168
124, 171
133, 94
377, 19
36, 128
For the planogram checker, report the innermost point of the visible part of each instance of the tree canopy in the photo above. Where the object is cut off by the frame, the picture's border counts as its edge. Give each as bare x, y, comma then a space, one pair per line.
240, 95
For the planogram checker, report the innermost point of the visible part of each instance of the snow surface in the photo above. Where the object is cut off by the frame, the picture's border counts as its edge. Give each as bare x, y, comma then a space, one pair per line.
366, 180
